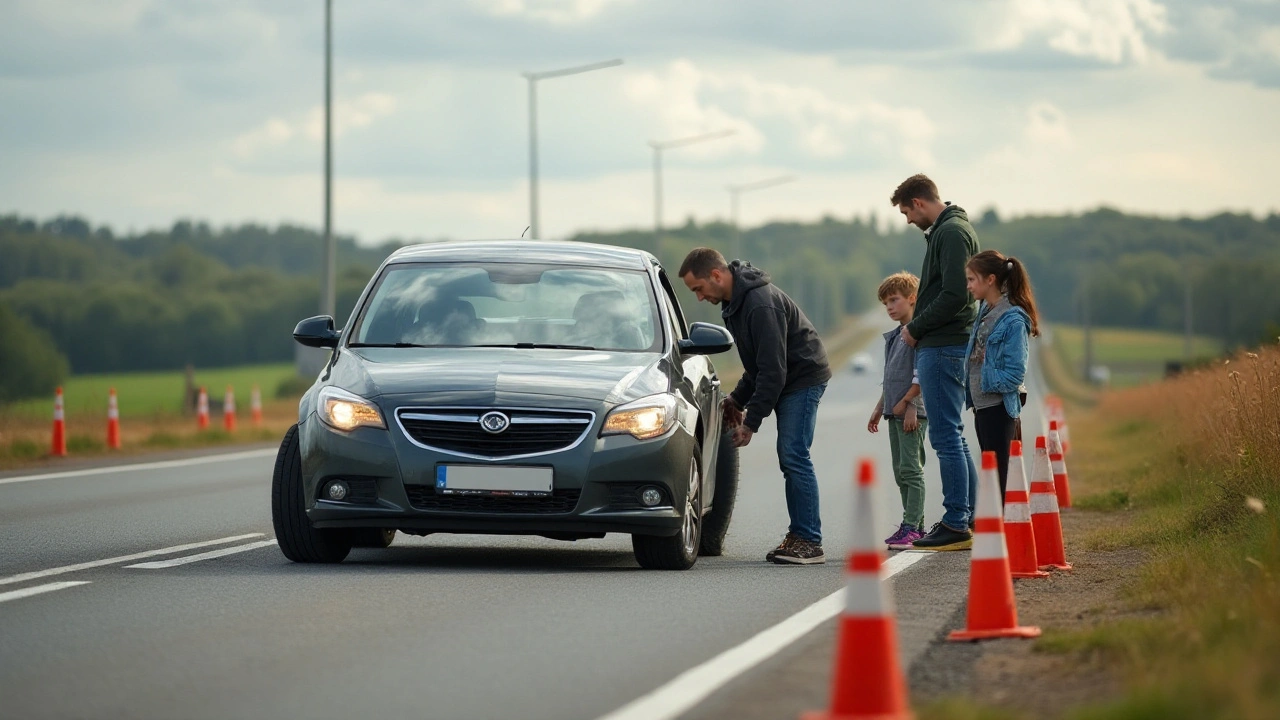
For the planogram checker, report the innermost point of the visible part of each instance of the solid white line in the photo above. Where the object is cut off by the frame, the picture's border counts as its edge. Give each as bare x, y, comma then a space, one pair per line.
696, 684
122, 559
39, 590
160, 564
160, 465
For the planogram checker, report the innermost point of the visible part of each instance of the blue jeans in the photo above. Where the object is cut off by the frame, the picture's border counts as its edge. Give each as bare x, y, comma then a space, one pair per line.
942, 384
797, 413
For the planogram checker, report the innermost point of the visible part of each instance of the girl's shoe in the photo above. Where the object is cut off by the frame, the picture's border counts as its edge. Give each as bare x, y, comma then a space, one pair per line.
902, 539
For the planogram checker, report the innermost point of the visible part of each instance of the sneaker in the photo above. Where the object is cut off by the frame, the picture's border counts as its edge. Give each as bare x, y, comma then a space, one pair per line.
941, 537
902, 531
800, 552
905, 542
786, 542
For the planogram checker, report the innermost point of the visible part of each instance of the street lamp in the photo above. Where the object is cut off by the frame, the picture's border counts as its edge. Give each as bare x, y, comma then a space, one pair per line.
735, 192
328, 279
533, 78
658, 146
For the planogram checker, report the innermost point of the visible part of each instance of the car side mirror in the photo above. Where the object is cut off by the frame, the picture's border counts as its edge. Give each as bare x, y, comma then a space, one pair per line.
316, 332
706, 339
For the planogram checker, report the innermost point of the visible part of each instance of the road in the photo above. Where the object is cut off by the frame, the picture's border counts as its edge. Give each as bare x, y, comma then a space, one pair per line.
182, 607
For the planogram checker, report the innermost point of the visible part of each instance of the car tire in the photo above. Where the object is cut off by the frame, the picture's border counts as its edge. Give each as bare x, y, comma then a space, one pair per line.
679, 551
298, 540
372, 537
715, 524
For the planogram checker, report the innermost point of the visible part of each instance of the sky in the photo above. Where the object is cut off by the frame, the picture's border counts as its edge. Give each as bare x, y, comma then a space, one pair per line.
135, 113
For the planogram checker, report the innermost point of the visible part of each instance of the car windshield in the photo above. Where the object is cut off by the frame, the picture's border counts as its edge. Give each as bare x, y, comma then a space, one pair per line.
509, 305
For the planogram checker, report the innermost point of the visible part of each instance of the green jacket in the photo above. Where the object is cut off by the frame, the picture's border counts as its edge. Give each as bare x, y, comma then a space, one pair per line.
944, 308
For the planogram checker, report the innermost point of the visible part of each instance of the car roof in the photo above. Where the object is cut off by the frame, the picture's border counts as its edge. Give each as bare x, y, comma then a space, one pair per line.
525, 251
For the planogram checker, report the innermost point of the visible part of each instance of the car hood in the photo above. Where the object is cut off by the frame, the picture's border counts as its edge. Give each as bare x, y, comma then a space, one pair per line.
610, 377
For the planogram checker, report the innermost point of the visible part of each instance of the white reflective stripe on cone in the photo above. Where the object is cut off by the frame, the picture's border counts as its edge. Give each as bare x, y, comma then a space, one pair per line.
864, 596
1017, 513
1059, 467
1042, 503
989, 546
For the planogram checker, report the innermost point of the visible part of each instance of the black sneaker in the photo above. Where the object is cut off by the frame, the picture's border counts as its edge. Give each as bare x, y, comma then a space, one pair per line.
941, 537
786, 542
800, 552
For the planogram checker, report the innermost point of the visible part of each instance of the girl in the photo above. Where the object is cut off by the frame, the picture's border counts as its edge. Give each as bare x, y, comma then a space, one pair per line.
996, 359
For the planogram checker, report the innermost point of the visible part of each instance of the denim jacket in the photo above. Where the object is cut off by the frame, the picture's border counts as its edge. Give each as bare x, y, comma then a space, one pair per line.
1005, 367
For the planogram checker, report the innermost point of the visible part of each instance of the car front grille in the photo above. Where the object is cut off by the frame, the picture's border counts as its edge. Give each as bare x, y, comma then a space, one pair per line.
424, 497
530, 432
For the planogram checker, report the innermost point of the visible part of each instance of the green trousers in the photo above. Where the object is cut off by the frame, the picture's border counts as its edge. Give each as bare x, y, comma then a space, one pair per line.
907, 450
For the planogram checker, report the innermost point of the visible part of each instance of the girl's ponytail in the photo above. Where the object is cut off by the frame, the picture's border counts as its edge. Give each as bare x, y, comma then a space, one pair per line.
1011, 275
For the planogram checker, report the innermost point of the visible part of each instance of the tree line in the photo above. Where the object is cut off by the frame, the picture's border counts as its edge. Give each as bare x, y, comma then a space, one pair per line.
79, 298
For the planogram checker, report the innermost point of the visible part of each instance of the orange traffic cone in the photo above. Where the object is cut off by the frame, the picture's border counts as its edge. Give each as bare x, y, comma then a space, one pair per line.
59, 426
113, 421
255, 406
1017, 519
1046, 524
1060, 482
992, 612
1054, 409
202, 410
229, 410
868, 680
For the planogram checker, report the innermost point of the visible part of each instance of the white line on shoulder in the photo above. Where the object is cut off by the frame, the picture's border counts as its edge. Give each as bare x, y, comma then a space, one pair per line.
174, 562
39, 589
23, 577
136, 467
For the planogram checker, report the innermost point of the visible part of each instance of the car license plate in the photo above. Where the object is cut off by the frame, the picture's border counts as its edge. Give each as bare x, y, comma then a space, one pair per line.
493, 480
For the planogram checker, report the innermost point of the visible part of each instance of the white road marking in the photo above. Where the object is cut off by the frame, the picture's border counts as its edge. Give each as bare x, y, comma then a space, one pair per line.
39, 590
23, 577
160, 465
160, 564
697, 684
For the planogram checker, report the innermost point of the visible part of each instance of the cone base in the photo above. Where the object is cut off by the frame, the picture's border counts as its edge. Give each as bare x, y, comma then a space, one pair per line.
1054, 566
828, 715
1013, 632
1033, 574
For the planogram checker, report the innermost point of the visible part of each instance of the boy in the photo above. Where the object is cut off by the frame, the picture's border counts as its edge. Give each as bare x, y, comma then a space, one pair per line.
900, 403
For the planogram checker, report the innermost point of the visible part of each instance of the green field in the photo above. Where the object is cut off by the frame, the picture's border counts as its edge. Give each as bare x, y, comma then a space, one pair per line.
1134, 356
153, 394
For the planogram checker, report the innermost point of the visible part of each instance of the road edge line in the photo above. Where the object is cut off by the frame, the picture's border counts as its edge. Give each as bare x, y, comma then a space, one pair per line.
157, 465
40, 589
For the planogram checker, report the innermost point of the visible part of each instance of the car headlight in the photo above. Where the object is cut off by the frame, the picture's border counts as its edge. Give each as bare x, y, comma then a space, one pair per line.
346, 411
645, 418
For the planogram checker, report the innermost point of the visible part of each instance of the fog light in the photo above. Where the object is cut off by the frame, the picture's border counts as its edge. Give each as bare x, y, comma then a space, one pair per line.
650, 496
337, 490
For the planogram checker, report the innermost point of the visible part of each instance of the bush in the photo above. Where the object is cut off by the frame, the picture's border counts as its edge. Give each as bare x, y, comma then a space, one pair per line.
30, 365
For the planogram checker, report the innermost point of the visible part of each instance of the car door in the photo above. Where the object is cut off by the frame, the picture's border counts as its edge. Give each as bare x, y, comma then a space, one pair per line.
699, 376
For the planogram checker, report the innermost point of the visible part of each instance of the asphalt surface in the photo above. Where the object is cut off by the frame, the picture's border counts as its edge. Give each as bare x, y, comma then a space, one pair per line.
446, 626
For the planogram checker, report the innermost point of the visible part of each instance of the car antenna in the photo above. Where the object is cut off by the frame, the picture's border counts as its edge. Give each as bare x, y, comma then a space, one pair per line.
526, 229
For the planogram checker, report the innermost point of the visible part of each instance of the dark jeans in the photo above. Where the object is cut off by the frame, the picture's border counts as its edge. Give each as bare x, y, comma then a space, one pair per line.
797, 413
942, 379
996, 430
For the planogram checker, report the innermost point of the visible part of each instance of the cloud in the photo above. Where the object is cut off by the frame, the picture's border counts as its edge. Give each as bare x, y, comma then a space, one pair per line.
348, 114
554, 12
1235, 40
1108, 32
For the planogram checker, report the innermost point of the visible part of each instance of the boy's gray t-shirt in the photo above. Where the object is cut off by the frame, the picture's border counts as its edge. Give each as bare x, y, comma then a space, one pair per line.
899, 373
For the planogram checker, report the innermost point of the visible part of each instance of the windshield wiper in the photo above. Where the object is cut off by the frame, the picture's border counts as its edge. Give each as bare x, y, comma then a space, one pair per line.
539, 346
388, 345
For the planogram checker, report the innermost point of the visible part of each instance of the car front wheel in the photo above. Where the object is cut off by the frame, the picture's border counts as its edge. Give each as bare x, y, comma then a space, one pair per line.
297, 539
679, 551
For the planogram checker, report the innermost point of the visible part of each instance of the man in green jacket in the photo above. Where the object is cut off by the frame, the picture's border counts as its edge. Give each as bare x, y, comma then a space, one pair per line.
939, 331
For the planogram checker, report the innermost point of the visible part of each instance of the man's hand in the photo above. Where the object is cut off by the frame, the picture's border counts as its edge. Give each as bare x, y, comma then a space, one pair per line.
910, 423
731, 412
742, 436
873, 425
906, 337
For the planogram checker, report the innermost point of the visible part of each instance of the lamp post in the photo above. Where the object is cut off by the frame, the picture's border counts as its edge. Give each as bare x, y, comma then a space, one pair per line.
736, 191
658, 146
533, 78
328, 277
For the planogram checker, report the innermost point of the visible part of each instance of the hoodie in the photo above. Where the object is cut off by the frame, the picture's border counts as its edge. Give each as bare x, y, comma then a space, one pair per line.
944, 308
779, 347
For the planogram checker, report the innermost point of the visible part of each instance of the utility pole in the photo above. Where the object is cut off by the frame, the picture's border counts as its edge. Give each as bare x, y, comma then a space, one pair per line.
1186, 311
658, 147
1087, 311
535, 225
328, 276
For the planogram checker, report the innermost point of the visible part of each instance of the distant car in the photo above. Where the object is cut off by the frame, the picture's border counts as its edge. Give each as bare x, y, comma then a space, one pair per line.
510, 387
860, 363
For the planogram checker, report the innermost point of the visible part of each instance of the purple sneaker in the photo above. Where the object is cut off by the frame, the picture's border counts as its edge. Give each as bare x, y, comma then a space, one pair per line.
902, 539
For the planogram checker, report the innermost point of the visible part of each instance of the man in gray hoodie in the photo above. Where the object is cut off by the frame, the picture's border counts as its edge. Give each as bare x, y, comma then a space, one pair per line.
784, 371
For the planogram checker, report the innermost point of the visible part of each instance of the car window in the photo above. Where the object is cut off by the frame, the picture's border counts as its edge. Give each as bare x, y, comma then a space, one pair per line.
446, 304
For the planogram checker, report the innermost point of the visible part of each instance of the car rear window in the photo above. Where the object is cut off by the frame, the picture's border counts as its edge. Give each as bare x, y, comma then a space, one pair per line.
471, 305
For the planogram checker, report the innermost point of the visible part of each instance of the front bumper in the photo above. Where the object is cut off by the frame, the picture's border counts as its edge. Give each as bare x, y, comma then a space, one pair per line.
596, 485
